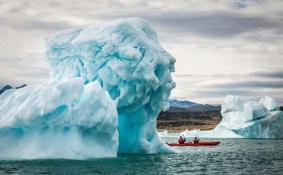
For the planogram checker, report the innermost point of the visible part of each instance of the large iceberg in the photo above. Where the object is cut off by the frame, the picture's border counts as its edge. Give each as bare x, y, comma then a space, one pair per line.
108, 84
252, 119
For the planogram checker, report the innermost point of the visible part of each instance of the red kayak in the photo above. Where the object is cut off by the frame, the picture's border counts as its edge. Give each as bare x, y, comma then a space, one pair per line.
202, 143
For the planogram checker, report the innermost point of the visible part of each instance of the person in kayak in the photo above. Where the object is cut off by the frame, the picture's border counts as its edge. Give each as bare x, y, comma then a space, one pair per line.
196, 140
182, 140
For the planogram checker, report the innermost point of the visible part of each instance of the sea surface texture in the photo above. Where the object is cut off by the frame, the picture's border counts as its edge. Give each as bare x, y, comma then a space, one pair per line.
232, 156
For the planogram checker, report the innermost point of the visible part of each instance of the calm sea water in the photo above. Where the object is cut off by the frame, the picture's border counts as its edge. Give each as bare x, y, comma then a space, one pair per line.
232, 156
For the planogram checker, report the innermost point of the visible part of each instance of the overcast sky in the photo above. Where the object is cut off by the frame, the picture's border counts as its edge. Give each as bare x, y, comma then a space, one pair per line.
221, 46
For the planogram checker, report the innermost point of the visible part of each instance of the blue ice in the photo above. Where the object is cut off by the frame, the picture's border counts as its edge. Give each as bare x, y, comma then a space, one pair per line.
108, 84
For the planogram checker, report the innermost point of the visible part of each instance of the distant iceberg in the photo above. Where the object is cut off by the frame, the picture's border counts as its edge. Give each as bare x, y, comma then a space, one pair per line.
108, 84
253, 119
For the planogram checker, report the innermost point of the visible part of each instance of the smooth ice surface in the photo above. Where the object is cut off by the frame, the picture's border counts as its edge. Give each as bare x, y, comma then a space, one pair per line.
246, 120
108, 84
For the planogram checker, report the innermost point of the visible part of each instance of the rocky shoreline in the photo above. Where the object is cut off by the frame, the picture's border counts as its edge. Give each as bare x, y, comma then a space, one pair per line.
179, 119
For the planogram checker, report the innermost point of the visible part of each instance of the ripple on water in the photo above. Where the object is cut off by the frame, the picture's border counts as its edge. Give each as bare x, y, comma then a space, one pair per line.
232, 156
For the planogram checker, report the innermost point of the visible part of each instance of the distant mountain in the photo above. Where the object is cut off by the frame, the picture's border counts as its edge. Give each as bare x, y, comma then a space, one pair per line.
189, 115
7, 87
192, 106
181, 104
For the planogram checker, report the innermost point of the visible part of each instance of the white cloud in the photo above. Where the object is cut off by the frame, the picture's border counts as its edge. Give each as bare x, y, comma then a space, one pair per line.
212, 40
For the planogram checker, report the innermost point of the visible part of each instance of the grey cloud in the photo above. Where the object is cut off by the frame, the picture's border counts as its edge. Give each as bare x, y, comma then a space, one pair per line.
273, 36
216, 24
184, 75
37, 73
174, 25
213, 24
244, 94
25, 69
24, 63
211, 93
36, 24
274, 74
251, 84
47, 25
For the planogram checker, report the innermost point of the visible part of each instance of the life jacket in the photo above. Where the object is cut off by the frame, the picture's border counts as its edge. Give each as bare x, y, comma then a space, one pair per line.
196, 140
181, 141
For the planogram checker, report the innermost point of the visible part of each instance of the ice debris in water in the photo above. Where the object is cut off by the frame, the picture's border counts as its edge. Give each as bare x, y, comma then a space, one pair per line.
108, 84
252, 119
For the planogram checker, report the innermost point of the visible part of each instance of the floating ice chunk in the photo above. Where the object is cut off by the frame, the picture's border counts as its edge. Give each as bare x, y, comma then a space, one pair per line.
250, 120
218, 132
254, 120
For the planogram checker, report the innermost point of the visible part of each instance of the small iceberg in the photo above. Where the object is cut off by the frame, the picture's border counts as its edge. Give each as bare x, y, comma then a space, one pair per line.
261, 119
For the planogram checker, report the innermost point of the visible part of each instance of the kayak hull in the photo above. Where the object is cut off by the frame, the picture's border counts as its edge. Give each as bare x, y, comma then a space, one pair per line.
207, 143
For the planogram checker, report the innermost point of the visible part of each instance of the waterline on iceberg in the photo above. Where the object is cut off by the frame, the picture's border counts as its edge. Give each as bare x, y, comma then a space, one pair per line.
108, 84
